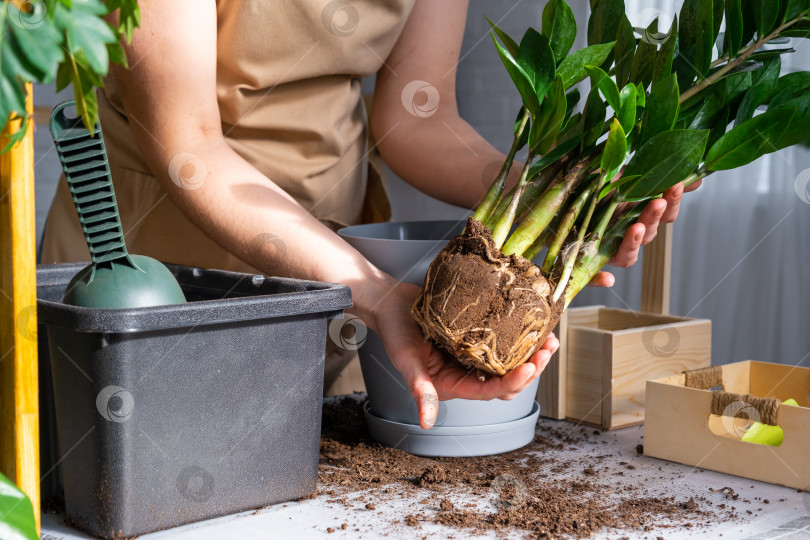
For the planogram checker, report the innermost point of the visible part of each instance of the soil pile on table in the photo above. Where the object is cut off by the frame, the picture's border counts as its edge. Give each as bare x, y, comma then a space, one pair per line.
488, 310
536, 490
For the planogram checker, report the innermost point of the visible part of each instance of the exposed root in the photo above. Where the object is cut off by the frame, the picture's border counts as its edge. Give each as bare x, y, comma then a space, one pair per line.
490, 311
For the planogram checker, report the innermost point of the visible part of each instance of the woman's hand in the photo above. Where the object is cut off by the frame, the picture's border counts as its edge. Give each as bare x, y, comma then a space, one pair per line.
663, 210
430, 375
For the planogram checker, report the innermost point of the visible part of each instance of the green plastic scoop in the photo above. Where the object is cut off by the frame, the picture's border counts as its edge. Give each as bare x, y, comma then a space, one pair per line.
114, 278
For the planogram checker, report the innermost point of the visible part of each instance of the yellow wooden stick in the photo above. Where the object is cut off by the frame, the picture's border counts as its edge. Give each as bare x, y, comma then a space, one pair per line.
19, 405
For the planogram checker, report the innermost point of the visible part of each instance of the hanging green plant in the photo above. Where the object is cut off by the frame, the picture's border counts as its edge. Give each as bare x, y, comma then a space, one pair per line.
65, 40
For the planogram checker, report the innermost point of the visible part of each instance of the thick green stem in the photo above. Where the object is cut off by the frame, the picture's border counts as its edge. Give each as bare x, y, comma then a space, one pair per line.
739, 59
545, 208
591, 262
566, 225
493, 196
604, 219
572, 257
535, 188
501, 230
538, 245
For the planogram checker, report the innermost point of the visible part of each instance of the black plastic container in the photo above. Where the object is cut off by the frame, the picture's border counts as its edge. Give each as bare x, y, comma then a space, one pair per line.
174, 414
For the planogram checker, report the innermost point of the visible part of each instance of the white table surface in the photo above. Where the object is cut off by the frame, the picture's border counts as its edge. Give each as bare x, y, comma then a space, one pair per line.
787, 515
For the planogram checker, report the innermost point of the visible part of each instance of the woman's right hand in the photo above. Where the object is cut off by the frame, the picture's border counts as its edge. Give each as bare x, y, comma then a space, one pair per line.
432, 376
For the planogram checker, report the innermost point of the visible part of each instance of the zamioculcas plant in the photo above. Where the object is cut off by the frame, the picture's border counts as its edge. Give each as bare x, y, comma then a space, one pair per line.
65, 39
662, 108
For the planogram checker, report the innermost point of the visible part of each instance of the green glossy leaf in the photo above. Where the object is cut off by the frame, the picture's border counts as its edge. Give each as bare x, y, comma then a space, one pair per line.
627, 109
664, 160
616, 184
593, 118
794, 8
572, 68
559, 27
641, 69
508, 42
557, 102
766, 13
718, 129
717, 17
16, 513
664, 58
615, 148
709, 110
749, 21
661, 110
756, 96
696, 36
606, 85
641, 96
606, 15
519, 78
559, 151
749, 140
624, 50
536, 59
769, 72
734, 27
797, 132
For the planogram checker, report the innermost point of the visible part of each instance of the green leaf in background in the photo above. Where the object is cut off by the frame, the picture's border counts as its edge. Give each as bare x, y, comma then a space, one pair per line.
661, 110
765, 15
769, 72
508, 42
87, 32
749, 21
664, 160
749, 140
604, 20
572, 68
615, 185
536, 59
624, 50
129, 16
559, 27
696, 35
554, 107
627, 109
593, 118
615, 149
641, 97
794, 8
663, 60
519, 78
16, 513
717, 17
797, 132
641, 69
559, 151
734, 27
719, 127
606, 85
709, 110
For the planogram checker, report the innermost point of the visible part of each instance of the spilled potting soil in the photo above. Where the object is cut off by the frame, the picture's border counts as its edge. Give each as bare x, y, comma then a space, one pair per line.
541, 490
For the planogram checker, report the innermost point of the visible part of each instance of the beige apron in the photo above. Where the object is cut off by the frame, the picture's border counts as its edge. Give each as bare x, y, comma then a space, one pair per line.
288, 86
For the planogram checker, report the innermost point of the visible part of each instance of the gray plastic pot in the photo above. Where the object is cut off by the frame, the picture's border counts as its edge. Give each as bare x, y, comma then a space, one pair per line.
405, 251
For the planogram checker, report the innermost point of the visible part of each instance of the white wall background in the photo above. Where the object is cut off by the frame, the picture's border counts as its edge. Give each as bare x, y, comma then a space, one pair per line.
742, 242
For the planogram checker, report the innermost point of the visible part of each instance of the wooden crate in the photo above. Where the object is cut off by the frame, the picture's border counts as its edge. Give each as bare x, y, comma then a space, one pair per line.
681, 427
611, 353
